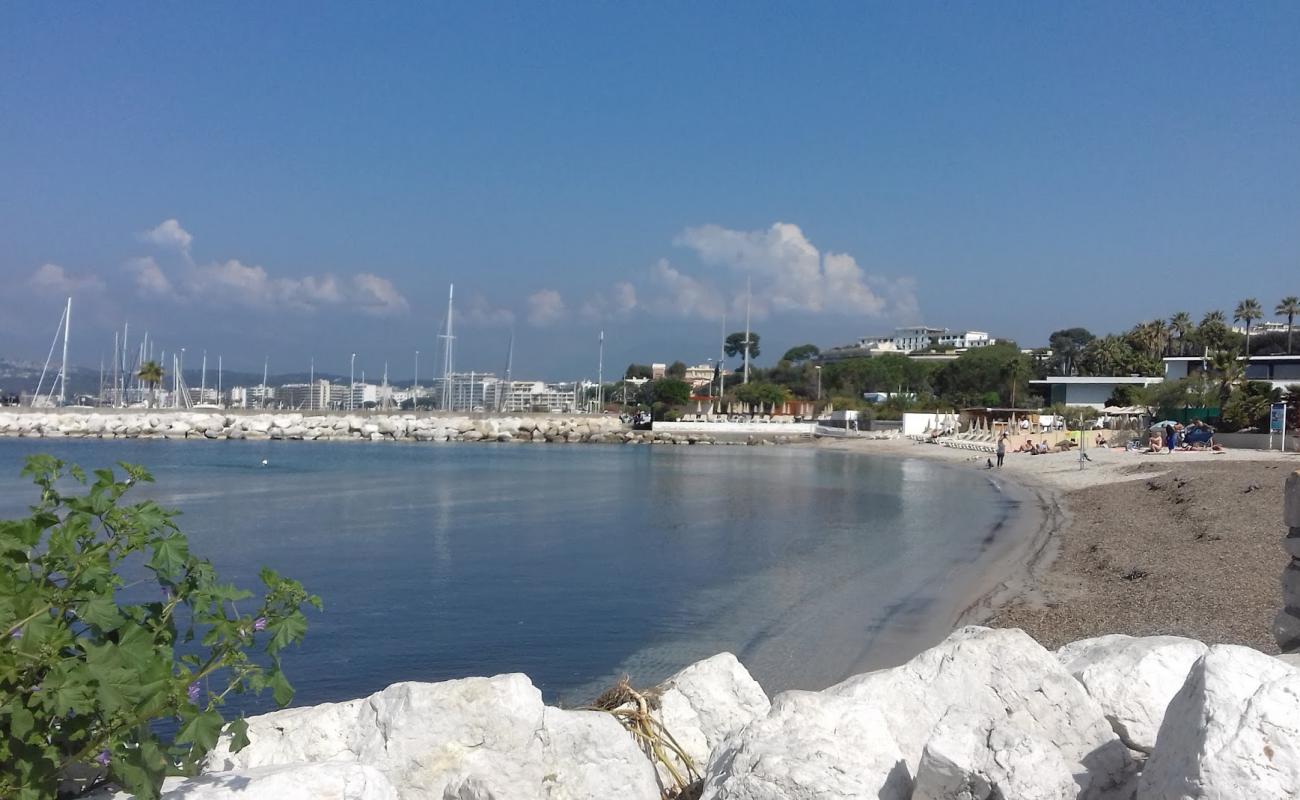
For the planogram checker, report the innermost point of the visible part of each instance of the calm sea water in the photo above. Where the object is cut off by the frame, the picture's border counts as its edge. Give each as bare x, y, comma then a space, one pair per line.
573, 564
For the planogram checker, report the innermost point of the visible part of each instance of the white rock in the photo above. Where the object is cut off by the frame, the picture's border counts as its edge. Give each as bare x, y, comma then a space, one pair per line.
988, 673
1232, 731
810, 746
588, 754
479, 738
1133, 679
707, 702
328, 781
970, 757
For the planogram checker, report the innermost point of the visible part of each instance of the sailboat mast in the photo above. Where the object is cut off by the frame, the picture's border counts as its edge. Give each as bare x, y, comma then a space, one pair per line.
510, 363
218, 380
203, 383
600, 375
311, 386
722, 365
266, 362
448, 338
63, 370
748, 297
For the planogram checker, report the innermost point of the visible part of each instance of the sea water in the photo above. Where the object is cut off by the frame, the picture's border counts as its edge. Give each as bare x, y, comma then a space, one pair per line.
571, 563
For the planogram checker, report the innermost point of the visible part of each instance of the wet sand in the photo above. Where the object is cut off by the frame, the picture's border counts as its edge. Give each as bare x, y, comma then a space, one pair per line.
1186, 544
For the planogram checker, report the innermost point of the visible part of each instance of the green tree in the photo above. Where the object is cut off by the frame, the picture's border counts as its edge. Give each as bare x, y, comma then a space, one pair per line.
1181, 326
672, 392
1248, 311
762, 393
734, 346
1289, 308
1250, 403
1228, 371
1213, 332
152, 374
982, 374
1067, 345
677, 370
638, 371
84, 675
801, 353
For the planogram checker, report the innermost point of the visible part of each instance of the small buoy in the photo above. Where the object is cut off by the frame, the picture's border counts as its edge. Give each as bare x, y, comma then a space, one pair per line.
264, 462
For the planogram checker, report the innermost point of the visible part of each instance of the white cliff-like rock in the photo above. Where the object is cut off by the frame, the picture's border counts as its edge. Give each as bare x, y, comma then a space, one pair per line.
810, 746
1133, 678
326, 781
482, 738
1232, 731
969, 757
990, 673
707, 702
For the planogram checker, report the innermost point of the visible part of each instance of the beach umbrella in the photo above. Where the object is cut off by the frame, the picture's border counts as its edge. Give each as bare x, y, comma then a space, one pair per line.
1159, 426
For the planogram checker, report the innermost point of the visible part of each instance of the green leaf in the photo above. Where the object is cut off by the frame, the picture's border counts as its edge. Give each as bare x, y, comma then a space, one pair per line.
202, 729
169, 555
238, 730
280, 688
101, 612
287, 631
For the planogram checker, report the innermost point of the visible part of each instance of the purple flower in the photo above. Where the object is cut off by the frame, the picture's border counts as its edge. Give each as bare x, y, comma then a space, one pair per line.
194, 692
259, 624
16, 633
103, 758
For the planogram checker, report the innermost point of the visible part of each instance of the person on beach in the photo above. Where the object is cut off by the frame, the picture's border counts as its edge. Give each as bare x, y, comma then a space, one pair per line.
1171, 438
1002, 449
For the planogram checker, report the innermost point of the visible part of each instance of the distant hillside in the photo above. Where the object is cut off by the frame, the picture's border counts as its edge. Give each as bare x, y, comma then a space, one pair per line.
17, 377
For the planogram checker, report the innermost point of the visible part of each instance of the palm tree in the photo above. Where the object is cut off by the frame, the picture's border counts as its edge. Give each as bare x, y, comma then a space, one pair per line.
1015, 371
1229, 370
1213, 331
1248, 311
1289, 307
1181, 325
152, 374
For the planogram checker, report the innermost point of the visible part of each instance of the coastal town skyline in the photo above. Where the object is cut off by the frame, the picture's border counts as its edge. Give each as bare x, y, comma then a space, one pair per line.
775, 150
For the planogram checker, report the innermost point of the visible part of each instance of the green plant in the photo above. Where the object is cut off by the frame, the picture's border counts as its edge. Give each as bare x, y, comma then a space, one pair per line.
84, 676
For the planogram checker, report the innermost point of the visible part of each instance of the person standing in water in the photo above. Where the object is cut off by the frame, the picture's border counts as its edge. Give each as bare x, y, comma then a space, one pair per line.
1002, 449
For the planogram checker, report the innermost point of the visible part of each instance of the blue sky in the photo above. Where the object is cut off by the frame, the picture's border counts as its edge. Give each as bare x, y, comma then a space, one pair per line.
305, 179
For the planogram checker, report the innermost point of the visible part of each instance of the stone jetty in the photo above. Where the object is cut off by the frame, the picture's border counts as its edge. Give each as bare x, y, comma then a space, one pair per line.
988, 713
565, 428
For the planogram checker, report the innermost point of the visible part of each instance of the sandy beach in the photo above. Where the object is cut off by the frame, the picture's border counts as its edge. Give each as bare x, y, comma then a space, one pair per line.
1186, 544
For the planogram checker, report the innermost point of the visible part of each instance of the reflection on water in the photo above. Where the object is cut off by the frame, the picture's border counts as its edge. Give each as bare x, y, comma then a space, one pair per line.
569, 563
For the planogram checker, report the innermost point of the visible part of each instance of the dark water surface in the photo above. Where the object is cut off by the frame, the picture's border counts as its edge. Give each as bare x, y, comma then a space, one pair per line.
570, 563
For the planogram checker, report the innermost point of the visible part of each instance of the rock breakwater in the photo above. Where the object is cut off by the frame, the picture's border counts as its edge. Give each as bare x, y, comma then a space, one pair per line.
989, 713
333, 427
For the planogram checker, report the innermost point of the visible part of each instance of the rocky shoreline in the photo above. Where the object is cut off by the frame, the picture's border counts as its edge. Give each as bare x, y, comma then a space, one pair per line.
989, 713
293, 426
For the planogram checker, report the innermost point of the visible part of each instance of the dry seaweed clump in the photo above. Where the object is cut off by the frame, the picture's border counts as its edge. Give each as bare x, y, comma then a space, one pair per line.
632, 708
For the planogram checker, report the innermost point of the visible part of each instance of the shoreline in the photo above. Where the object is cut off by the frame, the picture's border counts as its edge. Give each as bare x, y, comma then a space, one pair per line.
1111, 548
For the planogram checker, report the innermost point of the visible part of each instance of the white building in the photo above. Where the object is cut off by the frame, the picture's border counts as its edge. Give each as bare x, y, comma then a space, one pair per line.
1281, 371
522, 396
1089, 391
906, 340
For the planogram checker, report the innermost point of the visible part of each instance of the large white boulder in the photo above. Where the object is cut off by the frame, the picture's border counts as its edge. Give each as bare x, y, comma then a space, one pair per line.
1133, 678
969, 757
991, 673
707, 702
810, 746
1232, 731
475, 738
327, 781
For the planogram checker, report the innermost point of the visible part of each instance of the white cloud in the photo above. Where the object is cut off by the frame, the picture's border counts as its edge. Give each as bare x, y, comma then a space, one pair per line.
545, 307
791, 275
169, 234
478, 311
149, 277
251, 286
620, 301
377, 296
677, 294
53, 279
